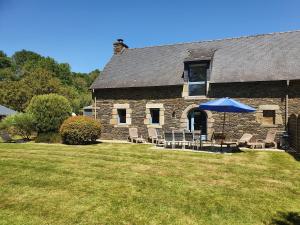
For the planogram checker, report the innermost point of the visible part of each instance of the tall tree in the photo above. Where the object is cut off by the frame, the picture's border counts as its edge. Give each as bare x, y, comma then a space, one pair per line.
5, 61
23, 56
27, 74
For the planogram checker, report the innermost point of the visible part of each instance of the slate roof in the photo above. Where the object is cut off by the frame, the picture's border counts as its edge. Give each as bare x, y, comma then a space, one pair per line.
4, 111
265, 57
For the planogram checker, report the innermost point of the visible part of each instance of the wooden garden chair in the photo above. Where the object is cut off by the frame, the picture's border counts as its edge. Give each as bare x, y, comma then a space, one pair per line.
269, 141
243, 141
134, 137
154, 137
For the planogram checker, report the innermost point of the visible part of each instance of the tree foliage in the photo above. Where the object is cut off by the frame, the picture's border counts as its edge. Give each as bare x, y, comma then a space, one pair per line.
49, 111
27, 74
5, 61
23, 56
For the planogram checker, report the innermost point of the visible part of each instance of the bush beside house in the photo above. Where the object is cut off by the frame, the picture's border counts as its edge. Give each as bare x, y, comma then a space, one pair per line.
80, 130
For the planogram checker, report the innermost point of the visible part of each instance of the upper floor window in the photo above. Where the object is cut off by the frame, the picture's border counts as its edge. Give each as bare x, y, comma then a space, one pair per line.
197, 79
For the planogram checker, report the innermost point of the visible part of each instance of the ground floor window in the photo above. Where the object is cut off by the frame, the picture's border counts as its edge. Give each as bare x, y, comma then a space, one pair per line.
268, 117
121, 116
154, 116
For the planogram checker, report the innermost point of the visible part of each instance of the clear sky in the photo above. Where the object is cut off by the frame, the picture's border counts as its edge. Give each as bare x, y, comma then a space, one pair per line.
81, 32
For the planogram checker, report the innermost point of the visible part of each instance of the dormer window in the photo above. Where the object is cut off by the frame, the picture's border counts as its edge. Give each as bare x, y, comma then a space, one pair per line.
197, 78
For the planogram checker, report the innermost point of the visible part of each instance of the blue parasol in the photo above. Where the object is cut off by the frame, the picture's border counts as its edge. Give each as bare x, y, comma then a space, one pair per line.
226, 105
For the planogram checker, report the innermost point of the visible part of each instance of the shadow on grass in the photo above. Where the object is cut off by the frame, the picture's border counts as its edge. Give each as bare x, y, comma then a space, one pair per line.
286, 218
215, 149
221, 150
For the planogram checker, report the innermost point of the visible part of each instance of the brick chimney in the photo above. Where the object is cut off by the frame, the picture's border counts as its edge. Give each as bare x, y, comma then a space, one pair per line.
119, 46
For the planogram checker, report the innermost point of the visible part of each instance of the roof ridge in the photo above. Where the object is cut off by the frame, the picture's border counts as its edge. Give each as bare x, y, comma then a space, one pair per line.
221, 39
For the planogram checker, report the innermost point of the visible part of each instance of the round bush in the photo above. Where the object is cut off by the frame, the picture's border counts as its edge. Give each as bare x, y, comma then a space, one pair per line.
49, 111
80, 130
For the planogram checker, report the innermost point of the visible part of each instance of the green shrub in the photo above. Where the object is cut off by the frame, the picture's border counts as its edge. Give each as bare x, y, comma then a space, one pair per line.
49, 111
22, 124
80, 130
49, 137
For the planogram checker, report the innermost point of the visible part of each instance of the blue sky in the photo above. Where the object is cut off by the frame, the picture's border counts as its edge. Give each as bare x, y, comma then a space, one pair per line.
81, 32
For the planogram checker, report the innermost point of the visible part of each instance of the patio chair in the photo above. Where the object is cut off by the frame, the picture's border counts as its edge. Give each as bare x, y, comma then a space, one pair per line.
197, 135
246, 138
218, 137
197, 140
189, 139
169, 139
179, 138
134, 137
159, 132
154, 137
269, 141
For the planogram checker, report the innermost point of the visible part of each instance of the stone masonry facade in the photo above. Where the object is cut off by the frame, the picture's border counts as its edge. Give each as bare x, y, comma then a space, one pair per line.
174, 108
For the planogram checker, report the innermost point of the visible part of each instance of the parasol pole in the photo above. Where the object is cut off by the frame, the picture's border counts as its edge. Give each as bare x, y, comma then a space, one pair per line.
223, 131
223, 122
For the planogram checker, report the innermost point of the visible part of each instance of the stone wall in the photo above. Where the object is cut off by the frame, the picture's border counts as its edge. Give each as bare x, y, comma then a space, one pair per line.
256, 94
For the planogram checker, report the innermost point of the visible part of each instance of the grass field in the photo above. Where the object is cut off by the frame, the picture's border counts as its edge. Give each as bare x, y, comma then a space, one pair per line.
134, 184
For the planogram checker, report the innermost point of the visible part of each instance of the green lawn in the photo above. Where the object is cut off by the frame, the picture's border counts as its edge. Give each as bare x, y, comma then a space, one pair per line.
134, 184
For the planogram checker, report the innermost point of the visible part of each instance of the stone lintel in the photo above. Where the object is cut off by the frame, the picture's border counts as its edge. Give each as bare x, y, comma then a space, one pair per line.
154, 105
268, 107
154, 126
121, 106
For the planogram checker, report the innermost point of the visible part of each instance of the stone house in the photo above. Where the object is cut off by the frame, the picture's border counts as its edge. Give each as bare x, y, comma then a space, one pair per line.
162, 86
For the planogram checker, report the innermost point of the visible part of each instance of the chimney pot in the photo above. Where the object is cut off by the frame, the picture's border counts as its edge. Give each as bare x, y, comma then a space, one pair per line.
119, 46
